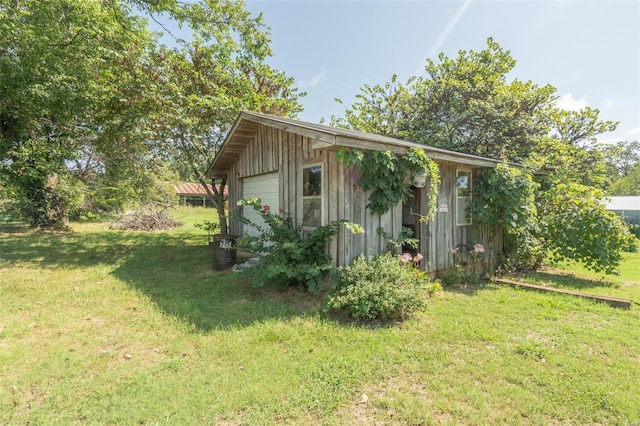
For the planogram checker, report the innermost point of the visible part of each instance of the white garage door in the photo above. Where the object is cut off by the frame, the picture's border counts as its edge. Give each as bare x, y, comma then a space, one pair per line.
267, 188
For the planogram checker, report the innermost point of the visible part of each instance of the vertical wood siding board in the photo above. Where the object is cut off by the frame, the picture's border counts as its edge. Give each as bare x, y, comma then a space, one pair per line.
340, 184
378, 222
275, 153
421, 232
368, 225
297, 171
331, 200
348, 213
235, 192
282, 178
276, 150
291, 179
279, 160
240, 164
284, 170
452, 225
440, 242
433, 228
252, 153
270, 152
332, 195
396, 221
231, 198
248, 158
256, 154
357, 241
386, 224
263, 148
342, 211
451, 222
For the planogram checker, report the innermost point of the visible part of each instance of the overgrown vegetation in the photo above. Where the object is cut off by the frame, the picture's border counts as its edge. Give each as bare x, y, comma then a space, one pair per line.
579, 228
506, 197
96, 107
466, 266
563, 222
387, 175
384, 287
289, 258
102, 327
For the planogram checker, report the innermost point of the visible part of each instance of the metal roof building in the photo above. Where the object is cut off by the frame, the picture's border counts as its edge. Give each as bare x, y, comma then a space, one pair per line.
193, 193
626, 207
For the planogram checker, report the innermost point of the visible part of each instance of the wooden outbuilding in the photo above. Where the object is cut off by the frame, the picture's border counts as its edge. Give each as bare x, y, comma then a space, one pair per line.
291, 165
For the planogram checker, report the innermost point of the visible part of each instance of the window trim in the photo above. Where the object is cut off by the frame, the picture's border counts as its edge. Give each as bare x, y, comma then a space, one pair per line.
468, 197
320, 197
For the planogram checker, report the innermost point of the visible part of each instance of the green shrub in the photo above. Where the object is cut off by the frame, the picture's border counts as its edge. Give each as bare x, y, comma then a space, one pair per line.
381, 287
288, 259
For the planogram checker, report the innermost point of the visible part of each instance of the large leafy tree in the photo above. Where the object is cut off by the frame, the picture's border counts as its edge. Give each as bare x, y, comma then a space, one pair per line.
90, 96
469, 104
623, 166
203, 83
58, 62
629, 184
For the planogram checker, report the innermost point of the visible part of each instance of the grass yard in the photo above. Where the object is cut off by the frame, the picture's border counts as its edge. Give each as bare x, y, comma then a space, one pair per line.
109, 327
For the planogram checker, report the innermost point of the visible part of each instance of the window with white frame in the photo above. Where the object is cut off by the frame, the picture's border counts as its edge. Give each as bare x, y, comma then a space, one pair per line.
312, 195
463, 197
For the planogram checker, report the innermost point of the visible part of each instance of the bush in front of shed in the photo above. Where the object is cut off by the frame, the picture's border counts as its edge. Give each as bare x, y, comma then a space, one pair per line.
289, 258
386, 287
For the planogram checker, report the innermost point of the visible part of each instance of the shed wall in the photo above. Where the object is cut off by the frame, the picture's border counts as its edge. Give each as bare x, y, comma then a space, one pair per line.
272, 150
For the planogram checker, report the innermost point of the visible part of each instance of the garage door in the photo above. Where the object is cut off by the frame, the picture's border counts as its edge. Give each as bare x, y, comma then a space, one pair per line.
267, 188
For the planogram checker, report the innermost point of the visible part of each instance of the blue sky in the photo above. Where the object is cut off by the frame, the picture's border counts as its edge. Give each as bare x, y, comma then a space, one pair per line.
588, 50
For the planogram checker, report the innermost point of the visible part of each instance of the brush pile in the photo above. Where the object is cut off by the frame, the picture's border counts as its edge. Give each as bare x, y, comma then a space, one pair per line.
147, 218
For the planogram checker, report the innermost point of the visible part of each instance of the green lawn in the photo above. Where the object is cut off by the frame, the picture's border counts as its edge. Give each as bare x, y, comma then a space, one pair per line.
108, 327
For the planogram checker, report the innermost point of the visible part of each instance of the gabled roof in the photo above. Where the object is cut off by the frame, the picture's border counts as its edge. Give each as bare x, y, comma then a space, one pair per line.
325, 137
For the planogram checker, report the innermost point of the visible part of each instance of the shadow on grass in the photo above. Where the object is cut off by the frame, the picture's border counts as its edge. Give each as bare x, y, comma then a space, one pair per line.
181, 282
173, 269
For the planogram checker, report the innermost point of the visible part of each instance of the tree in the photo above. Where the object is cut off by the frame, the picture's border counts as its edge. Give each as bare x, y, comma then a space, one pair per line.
464, 104
88, 95
629, 184
578, 227
60, 63
621, 161
468, 104
203, 83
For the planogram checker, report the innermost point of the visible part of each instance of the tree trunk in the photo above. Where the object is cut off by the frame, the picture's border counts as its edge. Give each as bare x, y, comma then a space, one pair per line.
218, 199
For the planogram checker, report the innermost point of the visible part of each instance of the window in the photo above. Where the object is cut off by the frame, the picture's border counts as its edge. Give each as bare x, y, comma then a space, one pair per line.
463, 197
312, 195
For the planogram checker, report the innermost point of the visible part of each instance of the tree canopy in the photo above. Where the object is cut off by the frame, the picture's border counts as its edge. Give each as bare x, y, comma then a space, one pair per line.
90, 96
469, 104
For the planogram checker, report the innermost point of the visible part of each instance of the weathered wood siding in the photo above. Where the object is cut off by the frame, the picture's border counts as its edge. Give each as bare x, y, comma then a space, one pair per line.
278, 150
273, 150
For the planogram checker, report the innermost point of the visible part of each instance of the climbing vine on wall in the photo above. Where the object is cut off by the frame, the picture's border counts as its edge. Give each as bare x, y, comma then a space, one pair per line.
386, 174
